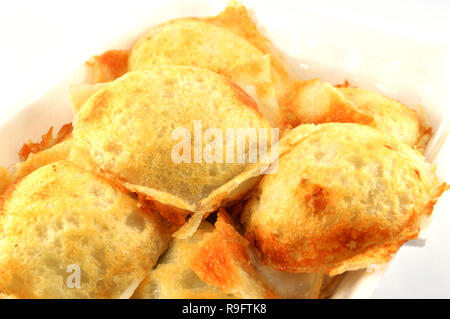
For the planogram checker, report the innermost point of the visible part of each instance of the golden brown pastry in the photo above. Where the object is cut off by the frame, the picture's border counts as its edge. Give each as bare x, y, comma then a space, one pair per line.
319, 102
125, 132
108, 66
53, 154
390, 116
223, 259
192, 42
345, 196
34, 155
61, 217
47, 141
5, 179
341, 197
229, 44
173, 277
218, 262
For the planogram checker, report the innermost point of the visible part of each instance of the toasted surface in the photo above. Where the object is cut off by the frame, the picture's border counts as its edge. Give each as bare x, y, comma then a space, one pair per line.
125, 131
174, 278
218, 262
53, 154
345, 196
192, 42
62, 215
316, 102
229, 44
47, 141
319, 102
108, 66
223, 259
50, 149
237, 19
5, 179
390, 116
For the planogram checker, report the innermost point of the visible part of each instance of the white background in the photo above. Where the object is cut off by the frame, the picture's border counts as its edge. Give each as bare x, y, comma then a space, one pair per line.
41, 41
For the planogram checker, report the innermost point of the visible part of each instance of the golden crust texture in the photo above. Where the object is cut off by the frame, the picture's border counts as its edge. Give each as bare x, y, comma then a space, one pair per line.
124, 131
173, 277
229, 44
316, 102
47, 141
53, 154
191, 42
5, 179
319, 102
389, 115
236, 19
345, 196
223, 259
35, 155
60, 216
218, 262
108, 66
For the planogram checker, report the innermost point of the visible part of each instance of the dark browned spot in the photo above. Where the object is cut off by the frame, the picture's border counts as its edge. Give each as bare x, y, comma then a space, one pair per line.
315, 196
417, 173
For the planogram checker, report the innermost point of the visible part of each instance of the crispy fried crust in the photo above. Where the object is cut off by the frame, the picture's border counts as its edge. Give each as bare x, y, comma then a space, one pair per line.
344, 196
222, 259
390, 116
225, 259
61, 215
191, 42
108, 66
172, 214
217, 262
5, 179
319, 102
35, 155
57, 152
46, 142
229, 44
236, 19
316, 102
346, 84
148, 104
173, 276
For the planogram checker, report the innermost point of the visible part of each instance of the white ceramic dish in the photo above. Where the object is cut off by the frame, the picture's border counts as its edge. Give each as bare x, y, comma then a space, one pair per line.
337, 52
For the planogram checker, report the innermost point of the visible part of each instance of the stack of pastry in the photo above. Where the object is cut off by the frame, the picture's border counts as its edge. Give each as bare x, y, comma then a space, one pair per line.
349, 187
